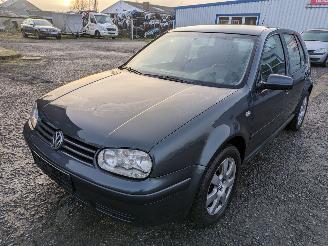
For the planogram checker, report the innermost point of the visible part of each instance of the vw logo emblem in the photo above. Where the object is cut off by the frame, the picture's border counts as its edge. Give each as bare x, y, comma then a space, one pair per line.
57, 139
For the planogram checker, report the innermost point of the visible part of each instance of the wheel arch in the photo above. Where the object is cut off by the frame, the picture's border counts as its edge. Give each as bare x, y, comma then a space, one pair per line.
212, 149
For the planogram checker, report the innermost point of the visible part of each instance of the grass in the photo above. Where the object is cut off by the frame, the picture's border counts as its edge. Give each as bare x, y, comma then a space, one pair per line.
6, 54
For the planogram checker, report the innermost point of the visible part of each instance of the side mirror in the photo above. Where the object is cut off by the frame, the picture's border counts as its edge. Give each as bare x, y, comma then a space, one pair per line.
278, 82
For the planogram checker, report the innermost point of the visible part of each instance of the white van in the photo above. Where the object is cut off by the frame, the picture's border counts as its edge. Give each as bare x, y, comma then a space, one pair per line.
99, 25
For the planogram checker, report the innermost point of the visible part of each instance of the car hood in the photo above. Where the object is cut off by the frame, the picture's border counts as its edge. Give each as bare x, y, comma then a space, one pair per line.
314, 45
122, 109
107, 25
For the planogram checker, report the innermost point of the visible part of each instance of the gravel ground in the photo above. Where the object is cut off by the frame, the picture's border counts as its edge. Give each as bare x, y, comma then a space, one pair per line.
281, 198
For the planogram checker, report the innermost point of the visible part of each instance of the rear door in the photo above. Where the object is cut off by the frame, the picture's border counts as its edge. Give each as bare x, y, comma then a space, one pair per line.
297, 69
268, 106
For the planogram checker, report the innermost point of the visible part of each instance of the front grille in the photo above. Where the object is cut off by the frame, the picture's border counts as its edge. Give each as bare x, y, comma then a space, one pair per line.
71, 147
314, 59
111, 29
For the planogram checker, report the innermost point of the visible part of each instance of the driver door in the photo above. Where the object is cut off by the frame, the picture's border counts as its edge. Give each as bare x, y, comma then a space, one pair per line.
268, 106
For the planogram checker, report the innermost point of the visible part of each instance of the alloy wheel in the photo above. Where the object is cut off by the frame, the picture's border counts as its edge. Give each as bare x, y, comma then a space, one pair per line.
221, 186
302, 112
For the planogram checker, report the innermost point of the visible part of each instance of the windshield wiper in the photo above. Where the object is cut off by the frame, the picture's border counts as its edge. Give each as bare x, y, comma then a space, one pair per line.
170, 78
132, 70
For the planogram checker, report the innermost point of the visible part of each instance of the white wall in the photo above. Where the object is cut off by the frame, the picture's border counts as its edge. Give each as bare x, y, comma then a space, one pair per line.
119, 7
292, 14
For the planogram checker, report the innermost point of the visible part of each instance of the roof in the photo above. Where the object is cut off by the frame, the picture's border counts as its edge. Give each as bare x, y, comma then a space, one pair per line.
19, 7
152, 7
6, 13
317, 30
238, 29
227, 2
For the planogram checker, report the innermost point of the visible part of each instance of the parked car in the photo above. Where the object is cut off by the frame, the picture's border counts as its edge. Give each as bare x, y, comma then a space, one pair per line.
316, 41
164, 135
39, 28
99, 25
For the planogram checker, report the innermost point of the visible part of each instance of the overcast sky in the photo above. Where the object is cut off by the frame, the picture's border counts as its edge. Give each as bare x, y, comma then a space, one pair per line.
62, 5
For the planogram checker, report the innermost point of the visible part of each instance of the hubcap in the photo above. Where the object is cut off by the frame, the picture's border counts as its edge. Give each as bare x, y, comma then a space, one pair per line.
302, 112
221, 186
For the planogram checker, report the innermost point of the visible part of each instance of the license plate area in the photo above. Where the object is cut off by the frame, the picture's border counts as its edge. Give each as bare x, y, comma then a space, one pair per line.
62, 178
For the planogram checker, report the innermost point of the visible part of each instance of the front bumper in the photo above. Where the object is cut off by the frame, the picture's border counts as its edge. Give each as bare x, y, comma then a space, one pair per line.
50, 34
109, 33
318, 59
149, 201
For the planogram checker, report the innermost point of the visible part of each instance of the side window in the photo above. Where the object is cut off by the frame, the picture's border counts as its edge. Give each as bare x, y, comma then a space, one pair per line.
293, 52
93, 20
303, 59
273, 58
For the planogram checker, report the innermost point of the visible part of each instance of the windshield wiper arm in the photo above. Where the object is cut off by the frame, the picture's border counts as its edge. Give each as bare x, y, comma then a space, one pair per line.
170, 78
132, 70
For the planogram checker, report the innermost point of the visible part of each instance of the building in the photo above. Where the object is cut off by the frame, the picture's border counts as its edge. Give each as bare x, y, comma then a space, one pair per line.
122, 6
13, 13
298, 15
18, 7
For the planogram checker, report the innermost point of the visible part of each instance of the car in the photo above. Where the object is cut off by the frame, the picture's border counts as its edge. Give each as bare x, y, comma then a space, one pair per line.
163, 136
316, 41
39, 28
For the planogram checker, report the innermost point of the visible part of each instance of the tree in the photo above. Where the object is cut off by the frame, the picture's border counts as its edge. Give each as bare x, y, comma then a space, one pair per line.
82, 5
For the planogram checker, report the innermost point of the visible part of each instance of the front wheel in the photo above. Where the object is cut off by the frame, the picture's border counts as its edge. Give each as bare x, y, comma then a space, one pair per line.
216, 188
58, 37
37, 35
24, 35
299, 117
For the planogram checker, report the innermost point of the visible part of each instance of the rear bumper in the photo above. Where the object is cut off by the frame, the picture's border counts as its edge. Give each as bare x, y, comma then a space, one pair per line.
150, 201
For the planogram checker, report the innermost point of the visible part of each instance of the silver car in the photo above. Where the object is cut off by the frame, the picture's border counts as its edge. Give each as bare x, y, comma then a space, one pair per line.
316, 41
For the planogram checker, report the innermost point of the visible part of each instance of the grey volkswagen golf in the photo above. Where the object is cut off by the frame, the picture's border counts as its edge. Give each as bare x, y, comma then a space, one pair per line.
163, 136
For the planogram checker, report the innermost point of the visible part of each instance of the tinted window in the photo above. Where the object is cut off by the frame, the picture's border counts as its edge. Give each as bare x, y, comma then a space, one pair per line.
293, 52
315, 36
273, 58
42, 23
210, 58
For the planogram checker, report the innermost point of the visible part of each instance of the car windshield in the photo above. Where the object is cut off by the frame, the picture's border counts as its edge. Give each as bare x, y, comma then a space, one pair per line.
42, 23
206, 58
102, 19
315, 36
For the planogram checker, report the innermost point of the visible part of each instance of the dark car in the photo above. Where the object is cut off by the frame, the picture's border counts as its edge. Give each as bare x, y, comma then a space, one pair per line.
164, 135
39, 28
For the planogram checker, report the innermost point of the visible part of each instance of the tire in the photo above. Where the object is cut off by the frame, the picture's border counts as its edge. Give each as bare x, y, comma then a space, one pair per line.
97, 34
37, 35
59, 37
204, 212
24, 35
325, 64
299, 117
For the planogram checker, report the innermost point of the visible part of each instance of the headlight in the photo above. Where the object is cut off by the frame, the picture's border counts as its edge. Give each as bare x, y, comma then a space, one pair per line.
130, 163
321, 51
34, 115
103, 28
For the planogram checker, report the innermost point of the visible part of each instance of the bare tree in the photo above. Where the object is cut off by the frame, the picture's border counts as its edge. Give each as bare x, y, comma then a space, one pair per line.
80, 5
